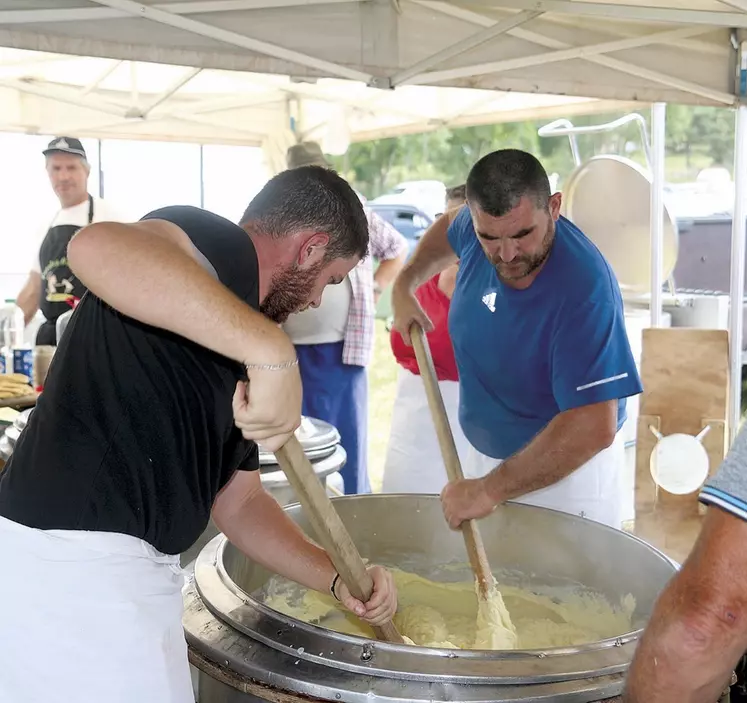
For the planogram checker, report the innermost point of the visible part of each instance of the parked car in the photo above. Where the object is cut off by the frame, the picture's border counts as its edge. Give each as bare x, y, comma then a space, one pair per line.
429, 196
408, 220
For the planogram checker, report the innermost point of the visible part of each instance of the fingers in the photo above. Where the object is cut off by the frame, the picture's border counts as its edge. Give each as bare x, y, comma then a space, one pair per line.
416, 318
272, 444
352, 604
382, 605
453, 520
239, 396
383, 602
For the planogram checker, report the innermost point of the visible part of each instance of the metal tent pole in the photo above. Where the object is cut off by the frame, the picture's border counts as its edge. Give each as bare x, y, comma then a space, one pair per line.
658, 157
202, 176
101, 171
736, 290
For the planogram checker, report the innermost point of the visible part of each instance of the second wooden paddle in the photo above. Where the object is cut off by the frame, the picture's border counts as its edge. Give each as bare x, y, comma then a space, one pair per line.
473, 541
329, 528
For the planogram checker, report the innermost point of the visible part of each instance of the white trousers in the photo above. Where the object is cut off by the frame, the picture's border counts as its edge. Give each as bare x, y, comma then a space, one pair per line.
593, 491
413, 460
89, 617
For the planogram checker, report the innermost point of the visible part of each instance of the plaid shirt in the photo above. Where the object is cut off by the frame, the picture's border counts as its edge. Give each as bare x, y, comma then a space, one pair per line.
385, 243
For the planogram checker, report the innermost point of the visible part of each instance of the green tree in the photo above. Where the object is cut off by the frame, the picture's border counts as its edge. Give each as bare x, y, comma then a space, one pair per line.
713, 130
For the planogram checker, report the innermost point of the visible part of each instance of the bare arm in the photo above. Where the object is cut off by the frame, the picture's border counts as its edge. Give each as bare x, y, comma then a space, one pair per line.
432, 255
28, 298
388, 270
570, 440
254, 522
149, 271
698, 630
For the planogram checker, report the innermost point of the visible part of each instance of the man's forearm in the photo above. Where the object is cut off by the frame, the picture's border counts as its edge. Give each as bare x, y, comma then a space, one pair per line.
154, 279
28, 298
432, 255
388, 270
698, 630
567, 443
262, 530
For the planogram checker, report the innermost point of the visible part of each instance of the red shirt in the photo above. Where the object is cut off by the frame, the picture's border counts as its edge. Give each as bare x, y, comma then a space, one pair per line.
436, 305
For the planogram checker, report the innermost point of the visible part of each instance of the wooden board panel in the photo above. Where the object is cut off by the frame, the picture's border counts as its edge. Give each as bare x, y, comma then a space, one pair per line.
685, 374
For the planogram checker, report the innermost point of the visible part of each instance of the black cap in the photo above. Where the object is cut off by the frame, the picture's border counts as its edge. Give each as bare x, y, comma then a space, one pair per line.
65, 145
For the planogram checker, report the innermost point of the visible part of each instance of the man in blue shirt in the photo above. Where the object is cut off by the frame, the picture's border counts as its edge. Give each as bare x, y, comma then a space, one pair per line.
538, 329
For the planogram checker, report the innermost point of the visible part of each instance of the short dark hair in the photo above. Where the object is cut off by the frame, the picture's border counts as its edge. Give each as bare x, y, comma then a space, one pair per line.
498, 181
457, 192
312, 198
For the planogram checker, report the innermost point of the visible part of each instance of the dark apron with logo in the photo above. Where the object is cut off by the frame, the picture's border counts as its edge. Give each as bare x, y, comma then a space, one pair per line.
60, 288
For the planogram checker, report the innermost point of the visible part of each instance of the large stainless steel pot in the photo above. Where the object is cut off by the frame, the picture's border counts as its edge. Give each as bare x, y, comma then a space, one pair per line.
244, 646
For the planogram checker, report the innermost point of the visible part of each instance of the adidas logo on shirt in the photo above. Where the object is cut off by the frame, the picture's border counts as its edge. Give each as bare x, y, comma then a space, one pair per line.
489, 301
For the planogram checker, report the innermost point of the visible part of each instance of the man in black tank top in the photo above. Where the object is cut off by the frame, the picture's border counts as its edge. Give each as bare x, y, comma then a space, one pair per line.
172, 367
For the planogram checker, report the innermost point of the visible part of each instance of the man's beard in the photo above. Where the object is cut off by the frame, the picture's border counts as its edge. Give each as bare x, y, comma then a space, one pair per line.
290, 291
523, 266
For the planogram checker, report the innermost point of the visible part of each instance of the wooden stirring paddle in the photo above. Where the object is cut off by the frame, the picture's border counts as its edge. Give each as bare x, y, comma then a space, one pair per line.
330, 530
473, 541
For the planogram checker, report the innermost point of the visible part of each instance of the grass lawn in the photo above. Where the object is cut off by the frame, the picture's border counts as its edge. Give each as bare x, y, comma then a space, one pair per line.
382, 382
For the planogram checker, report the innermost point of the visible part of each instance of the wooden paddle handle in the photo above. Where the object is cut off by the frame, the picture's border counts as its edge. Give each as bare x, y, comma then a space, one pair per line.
472, 539
329, 528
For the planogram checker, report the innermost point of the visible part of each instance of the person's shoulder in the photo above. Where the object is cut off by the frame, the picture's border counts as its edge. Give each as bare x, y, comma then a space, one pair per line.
584, 268
198, 224
108, 211
461, 232
460, 217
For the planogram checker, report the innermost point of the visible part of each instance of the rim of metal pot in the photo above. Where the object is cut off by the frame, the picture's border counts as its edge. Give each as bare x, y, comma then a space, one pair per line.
334, 461
231, 604
316, 454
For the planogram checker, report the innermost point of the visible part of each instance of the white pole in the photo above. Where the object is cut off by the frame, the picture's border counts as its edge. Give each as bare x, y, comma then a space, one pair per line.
658, 157
736, 291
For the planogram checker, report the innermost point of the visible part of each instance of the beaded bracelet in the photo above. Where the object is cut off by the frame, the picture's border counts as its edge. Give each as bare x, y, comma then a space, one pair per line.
271, 367
332, 587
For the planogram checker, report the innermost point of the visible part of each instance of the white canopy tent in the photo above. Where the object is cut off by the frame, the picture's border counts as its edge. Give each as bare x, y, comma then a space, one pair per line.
43, 93
678, 51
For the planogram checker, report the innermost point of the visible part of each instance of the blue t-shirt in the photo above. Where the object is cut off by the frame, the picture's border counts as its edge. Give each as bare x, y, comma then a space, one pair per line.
524, 356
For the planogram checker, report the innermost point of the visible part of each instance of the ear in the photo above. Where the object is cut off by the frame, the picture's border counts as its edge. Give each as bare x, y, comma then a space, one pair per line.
312, 249
554, 203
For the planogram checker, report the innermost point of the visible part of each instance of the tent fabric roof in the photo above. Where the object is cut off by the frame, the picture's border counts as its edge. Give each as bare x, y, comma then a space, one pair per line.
44, 93
674, 51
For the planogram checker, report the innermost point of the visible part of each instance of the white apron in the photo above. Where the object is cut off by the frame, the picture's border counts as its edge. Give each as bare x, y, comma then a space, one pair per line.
593, 491
413, 460
89, 617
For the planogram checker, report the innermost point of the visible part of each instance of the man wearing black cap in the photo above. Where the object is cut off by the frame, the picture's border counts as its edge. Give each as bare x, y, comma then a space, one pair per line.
51, 285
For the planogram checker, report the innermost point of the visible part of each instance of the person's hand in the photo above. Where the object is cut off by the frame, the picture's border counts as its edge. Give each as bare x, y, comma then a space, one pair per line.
383, 602
407, 309
267, 410
466, 499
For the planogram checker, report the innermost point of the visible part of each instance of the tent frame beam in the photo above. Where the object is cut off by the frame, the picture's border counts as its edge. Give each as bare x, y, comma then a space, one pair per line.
225, 36
607, 61
87, 14
171, 90
471, 42
70, 97
634, 13
576, 52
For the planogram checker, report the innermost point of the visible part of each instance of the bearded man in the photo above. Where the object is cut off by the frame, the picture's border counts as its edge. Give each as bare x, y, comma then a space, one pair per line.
171, 369
538, 330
